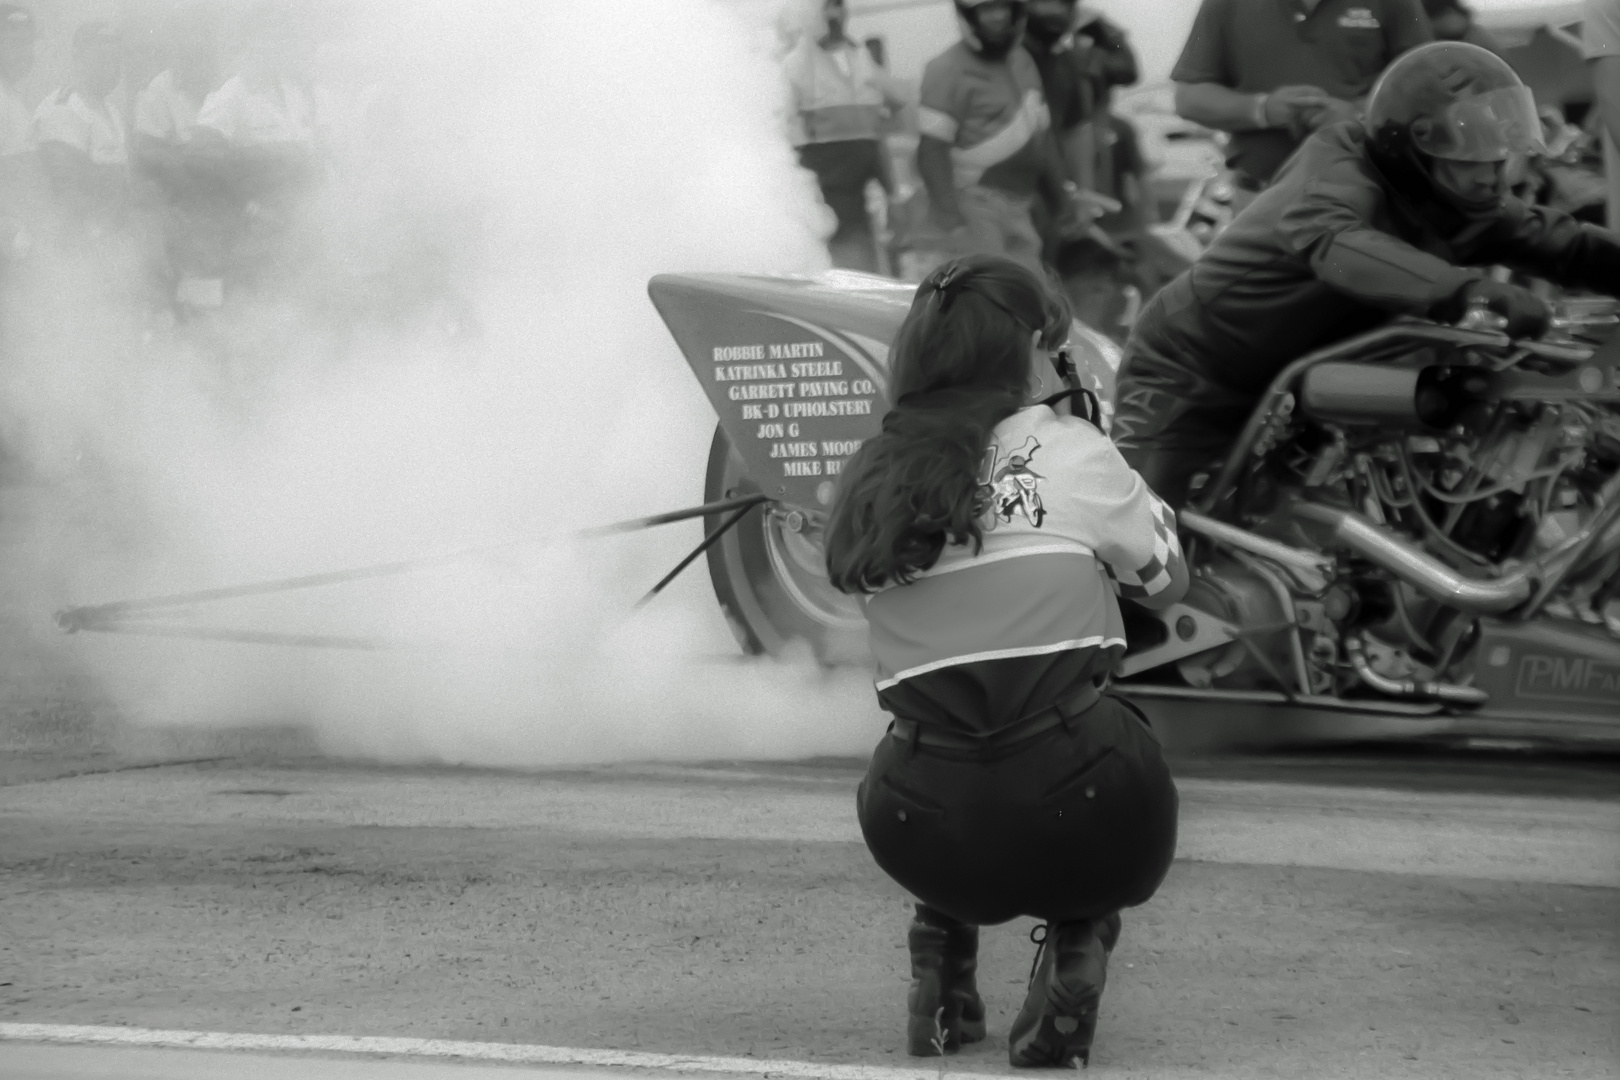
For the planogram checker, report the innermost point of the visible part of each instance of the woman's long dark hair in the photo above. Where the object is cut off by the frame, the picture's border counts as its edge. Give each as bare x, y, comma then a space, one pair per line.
958, 367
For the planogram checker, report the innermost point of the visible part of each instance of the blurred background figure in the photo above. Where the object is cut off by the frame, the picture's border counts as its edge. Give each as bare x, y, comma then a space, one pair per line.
1600, 41
259, 126
264, 111
985, 146
1051, 39
841, 96
1270, 72
166, 110
179, 181
1108, 61
83, 147
1452, 20
18, 164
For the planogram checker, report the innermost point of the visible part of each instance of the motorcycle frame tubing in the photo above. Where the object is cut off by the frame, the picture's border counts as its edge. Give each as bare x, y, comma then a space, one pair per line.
1393, 333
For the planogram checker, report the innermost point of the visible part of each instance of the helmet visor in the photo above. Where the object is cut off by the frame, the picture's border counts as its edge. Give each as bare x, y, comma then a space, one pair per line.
1492, 126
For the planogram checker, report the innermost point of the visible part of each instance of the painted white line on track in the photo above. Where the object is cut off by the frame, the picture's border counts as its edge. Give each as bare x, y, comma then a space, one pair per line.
501, 1053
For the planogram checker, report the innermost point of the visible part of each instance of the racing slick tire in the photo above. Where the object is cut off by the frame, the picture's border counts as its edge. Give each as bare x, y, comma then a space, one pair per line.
770, 576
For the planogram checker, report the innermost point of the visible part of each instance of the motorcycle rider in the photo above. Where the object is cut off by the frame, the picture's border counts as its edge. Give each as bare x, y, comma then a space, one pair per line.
1397, 214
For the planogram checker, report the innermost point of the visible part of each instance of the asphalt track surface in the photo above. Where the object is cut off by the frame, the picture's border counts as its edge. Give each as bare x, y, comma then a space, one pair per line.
1327, 917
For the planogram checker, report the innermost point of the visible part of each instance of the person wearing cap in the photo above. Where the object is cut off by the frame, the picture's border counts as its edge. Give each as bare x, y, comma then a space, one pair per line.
19, 179
1270, 72
82, 142
1600, 42
1402, 213
986, 147
841, 97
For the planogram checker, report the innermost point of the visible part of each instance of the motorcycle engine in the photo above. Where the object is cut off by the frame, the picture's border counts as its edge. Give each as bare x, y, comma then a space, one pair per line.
1483, 466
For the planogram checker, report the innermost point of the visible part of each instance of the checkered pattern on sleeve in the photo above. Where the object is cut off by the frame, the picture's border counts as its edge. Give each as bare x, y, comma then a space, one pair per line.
1154, 576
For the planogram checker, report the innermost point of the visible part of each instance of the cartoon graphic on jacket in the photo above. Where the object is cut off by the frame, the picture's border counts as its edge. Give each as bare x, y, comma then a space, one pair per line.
986, 637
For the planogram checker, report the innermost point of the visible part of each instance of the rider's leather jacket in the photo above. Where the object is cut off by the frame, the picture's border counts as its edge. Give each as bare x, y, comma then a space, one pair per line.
1336, 245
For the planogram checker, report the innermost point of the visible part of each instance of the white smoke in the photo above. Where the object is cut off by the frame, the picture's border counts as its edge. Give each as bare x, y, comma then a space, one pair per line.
573, 151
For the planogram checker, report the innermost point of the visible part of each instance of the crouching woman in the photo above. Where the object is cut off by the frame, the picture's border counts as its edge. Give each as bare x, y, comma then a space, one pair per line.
988, 535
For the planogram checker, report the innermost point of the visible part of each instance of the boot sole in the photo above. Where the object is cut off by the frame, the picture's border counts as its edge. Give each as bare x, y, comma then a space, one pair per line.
1048, 1045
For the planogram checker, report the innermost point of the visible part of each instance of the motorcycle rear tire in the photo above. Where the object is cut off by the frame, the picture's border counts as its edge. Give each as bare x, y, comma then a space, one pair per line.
769, 582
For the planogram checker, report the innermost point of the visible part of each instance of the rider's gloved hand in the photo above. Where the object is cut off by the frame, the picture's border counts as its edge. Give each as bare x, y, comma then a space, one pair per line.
1527, 314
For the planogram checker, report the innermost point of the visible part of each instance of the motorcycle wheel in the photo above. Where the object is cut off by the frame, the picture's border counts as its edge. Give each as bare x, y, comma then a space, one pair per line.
771, 580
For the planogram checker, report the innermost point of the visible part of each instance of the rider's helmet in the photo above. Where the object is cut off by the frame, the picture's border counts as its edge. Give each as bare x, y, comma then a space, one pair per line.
991, 28
1048, 23
1451, 101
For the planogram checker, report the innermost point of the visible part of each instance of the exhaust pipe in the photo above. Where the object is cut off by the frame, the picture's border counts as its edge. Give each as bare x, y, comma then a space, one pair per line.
1423, 572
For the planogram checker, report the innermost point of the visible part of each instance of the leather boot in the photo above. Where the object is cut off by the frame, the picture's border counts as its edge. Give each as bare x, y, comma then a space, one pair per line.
943, 1008
964, 989
1059, 1018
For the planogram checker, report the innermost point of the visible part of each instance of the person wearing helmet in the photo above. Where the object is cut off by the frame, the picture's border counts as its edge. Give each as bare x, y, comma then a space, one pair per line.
1396, 214
986, 146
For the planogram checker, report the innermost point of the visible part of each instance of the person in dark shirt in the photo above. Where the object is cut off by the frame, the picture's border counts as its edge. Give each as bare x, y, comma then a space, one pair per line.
1393, 215
1049, 37
1270, 72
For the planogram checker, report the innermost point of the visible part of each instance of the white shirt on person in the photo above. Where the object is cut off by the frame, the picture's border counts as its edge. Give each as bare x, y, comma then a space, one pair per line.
16, 124
248, 117
66, 117
166, 112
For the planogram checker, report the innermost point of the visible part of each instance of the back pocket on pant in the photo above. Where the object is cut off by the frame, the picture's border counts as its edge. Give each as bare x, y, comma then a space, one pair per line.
902, 802
1079, 780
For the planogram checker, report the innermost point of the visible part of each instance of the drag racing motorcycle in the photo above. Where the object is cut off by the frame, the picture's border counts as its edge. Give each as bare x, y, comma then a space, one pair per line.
1418, 528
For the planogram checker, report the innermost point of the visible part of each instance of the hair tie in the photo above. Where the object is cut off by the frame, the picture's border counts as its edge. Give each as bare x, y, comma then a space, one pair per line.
949, 284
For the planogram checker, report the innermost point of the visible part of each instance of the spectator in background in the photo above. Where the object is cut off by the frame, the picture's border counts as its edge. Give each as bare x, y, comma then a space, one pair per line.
260, 128
1108, 61
82, 143
183, 188
262, 116
18, 163
840, 95
1453, 20
1270, 72
985, 146
1050, 38
165, 121
1600, 41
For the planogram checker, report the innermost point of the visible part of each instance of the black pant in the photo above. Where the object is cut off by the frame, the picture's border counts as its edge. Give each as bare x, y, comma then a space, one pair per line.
1075, 823
843, 169
1172, 421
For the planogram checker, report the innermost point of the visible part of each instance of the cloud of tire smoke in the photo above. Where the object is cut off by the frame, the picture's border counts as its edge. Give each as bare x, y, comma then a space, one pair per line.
564, 153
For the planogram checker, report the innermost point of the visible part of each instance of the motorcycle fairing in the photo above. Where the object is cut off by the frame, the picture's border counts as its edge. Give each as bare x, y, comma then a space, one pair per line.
797, 367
